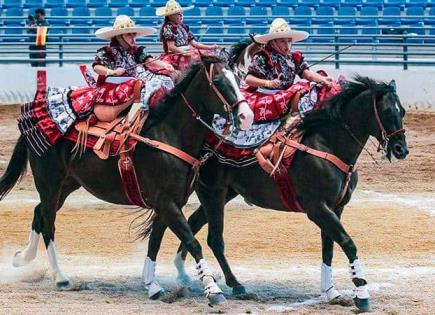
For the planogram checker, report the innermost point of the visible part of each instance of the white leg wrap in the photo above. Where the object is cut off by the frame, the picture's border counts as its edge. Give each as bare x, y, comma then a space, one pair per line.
58, 274
327, 283
361, 292
148, 277
356, 270
26, 256
183, 277
205, 275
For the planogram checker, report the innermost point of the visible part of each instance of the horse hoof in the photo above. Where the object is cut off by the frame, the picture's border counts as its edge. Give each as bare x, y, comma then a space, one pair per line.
217, 299
19, 260
364, 305
158, 295
63, 285
239, 290
184, 280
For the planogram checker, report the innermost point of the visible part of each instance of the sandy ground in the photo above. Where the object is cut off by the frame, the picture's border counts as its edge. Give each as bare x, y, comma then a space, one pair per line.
276, 255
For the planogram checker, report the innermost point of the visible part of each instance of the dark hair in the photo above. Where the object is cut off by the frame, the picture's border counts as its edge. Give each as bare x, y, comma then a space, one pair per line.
40, 11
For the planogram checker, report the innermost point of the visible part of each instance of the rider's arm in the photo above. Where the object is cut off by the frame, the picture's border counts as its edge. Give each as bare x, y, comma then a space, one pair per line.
159, 64
257, 73
195, 44
253, 81
101, 64
174, 49
315, 77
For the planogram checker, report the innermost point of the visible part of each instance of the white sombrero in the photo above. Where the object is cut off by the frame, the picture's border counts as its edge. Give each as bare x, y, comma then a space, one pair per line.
281, 29
171, 7
123, 25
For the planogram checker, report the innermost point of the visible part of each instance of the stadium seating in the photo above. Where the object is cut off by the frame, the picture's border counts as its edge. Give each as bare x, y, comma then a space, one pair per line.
333, 3
98, 3
392, 22
301, 11
374, 3
323, 11
118, 3
280, 11
255, 15
125, 11
310, 3
395, 3
235, 11
75, 3
289, 3
349, 16
214, 11
12, 4
57, 26
33, 4
370, 12
102, 12
54, 3
144, 18
416, 12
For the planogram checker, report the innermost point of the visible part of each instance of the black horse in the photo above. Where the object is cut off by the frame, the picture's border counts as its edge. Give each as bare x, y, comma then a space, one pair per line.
205, 89
364, 108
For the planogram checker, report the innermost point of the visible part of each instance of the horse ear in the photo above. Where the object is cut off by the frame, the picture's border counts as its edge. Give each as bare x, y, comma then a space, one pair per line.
392, 85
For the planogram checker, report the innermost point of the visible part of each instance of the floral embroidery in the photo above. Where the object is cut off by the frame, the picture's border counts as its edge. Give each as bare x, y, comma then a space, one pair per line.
179, 34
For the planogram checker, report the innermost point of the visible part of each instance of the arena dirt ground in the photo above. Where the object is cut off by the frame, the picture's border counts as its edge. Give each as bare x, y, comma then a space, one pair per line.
276, 255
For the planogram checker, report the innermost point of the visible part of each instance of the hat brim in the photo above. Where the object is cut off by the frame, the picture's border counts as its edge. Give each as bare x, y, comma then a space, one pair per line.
295, 36
162, 10
109, 32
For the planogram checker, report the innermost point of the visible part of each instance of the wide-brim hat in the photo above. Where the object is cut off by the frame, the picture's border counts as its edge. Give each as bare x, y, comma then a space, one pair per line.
123, 25
171, 7
281, 29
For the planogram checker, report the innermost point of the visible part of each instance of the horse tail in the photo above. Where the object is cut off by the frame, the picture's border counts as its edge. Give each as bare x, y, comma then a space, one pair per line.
143, 223
237, 49
16, 168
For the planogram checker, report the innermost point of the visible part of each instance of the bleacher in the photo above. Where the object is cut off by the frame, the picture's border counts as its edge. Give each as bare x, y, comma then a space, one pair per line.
228, 20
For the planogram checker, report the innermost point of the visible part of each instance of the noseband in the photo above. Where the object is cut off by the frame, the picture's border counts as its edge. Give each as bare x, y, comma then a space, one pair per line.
385, 136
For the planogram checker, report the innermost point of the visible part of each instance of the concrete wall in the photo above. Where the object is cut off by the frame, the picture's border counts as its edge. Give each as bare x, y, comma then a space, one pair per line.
416, 87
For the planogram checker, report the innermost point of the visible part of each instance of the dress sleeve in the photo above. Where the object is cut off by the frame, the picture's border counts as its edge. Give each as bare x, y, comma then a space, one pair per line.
103, 57
300, 64
168, 32
190, 35
142, 54
258, 67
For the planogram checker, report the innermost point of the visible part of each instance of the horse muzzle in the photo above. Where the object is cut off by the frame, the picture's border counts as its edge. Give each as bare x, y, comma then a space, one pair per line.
398, 148
245, 116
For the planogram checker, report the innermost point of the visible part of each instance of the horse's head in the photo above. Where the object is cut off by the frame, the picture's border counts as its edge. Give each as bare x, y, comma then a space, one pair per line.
389, 113
240, 56
220, 93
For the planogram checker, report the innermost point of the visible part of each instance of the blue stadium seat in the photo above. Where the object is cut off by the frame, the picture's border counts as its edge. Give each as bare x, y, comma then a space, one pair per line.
415, 32
12, 4
14, 27
235, 11
103, 12
431, 40
353, 3
395, 3
125, 11
145, 17
349, 12
332, 3
390, 11
413, 11
260, 13
259, 29
33, 4
118, 3
246, 3
371, 30
58, 26
301, 11
192, 16
54, 3
289, 3
281, 11
75, 3
323, 11
417, 3
310, 3
430, 19
203, 3
158, 3
83, 13
186, 3
374, 3
97, 3
214, 11
372, 12
14, 12
348, 29
223, 3
216, 30
325, 30
238, 30
266, 3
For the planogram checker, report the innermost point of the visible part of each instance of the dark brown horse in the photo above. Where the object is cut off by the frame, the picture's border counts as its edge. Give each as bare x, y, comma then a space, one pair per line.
164, 177
364, 108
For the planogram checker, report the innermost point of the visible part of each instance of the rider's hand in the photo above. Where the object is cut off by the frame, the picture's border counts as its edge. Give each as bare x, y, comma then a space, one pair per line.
119, 71
186, 54
213, 47
327, 81
275, 83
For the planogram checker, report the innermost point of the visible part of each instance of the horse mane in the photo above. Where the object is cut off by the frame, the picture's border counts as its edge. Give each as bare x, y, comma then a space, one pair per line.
158, 113
334, 107
237, 49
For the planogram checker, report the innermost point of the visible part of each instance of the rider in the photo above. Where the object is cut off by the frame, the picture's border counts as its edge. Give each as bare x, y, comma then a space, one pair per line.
272, 73
179, 44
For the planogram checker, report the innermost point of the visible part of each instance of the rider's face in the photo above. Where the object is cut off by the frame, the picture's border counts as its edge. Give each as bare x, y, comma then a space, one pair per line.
129, 39
176, 18
282, 45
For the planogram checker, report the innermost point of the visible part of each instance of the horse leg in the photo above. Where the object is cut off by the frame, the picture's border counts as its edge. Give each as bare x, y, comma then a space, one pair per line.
149, 268
196, 221
213, 203
26, 256
330, 223
177, 223
326, 276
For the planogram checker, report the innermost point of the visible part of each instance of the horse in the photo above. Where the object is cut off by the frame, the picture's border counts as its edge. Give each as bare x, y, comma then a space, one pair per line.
364, 108
241, 54
182, 121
